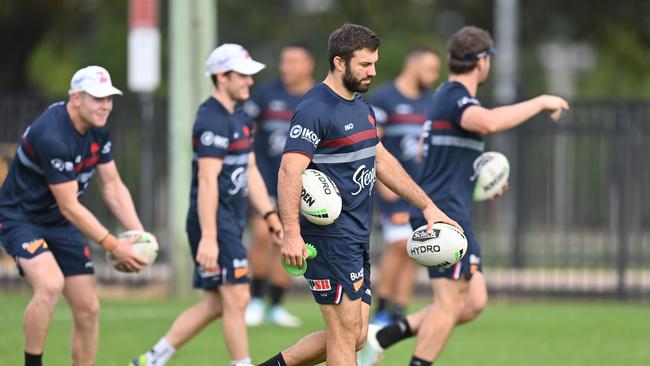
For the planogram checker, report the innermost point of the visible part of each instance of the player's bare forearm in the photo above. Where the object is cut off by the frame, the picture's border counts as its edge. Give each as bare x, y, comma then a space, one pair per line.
119, 201
208, 195
66, 197
117, 196
484, 121
391, 174
289, 189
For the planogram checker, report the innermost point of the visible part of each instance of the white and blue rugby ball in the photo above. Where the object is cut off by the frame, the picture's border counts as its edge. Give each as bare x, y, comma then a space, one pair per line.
146, 246
442, 248
320, 200
491, 171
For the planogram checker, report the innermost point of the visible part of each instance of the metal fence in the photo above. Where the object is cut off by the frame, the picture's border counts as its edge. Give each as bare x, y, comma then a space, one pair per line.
575, 221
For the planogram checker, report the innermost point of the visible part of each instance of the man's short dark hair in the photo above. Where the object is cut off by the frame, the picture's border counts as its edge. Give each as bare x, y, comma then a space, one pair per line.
302, 45
418, 51
349, 38
466, 47
213, 77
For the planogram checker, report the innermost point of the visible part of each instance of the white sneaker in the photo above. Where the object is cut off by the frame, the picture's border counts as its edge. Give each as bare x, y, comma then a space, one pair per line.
254, 312
278, 315
372, 353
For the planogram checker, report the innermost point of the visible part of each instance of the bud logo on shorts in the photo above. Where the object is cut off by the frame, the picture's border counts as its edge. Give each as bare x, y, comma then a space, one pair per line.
357, 279
241, 267
32, 246
320, 285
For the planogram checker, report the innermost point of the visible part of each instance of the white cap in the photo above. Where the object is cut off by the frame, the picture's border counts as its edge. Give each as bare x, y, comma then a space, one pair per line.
232, 57
94, 80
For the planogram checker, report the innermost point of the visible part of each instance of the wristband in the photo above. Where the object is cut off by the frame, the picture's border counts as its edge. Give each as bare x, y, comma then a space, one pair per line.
266, 215
109, 243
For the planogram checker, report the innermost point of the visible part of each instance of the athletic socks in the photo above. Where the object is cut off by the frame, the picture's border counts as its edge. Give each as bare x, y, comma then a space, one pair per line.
419, 362
393, 333
258, 287
276, 360
160, 353
243, 362
33, 360
396, 312
276, 293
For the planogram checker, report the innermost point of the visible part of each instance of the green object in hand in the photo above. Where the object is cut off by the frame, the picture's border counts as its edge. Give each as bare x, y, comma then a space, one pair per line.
297, 271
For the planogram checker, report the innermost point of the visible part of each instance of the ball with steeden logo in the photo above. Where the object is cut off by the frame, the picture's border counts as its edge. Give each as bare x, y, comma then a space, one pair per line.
442, 248
491, 172
320, 200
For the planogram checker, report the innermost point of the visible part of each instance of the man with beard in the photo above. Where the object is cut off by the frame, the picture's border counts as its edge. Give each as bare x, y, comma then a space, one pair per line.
400, 106
452, 141
224, 172
333, 131
272, 107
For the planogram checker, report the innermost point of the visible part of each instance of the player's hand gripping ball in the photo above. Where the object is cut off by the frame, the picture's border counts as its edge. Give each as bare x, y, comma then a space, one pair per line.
146, 246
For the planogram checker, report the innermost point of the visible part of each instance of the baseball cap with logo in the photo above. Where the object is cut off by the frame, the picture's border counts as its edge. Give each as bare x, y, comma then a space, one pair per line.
94, 80
232, 57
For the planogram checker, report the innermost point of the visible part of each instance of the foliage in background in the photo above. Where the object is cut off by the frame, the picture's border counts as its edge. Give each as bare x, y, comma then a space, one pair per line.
44, 41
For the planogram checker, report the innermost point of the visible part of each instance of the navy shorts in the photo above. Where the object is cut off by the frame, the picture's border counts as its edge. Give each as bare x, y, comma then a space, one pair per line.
471, 262
232, 260
25, 239
341, 266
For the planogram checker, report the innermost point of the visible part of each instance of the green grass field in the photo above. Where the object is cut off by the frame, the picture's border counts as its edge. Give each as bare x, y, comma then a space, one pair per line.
508, 333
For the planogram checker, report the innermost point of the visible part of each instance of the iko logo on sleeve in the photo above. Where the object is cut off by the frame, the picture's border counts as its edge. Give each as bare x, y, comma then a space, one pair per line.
297, 131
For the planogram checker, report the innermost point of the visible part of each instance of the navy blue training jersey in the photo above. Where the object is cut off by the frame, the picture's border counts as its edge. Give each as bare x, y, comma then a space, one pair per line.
219, 134
401, 119
272, 108
449, 152
51, 151
339, 136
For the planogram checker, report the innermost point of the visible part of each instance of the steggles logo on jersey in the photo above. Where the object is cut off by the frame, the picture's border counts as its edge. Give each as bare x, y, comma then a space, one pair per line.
304, 133
363, 178
239, 179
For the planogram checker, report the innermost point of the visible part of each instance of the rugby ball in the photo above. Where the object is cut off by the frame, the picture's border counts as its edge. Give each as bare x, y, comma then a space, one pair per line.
320, 200
146, 246
491, 171
442, 248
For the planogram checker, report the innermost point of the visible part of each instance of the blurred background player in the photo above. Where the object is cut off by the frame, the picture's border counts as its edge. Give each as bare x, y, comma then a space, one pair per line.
452, 141
400, 106
43, 224
272, 107
224, 173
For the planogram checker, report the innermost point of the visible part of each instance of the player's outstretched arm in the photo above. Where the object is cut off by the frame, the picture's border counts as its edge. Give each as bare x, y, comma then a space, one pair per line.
484, 121
117, 196
70, 207
259, 199
391, 173
293, 248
